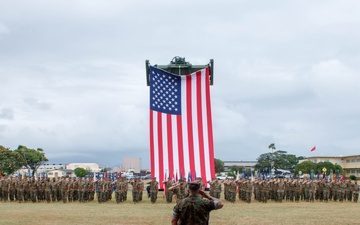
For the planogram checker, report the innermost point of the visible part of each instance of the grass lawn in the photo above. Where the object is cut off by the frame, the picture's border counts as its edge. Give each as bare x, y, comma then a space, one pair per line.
160, 213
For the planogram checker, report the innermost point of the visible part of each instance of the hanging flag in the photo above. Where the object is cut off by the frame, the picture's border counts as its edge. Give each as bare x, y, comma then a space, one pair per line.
313, 149
181, 136
342, 176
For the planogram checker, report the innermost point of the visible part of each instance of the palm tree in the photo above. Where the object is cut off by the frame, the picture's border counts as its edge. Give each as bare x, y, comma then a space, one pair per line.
272, 147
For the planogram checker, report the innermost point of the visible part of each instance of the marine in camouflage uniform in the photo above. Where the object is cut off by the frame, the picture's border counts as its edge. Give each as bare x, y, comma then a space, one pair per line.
249, 189
349, 189
19, 188
196, 208
5, 185
326, 190
211, 187
356, 189
47, 184
153, 189
64, 187
264, 191
232, 191
342, 190
179, 189
280, 189
53, 189
169, 193
118, 198
33, 190
140, 186
135, 191
217, 189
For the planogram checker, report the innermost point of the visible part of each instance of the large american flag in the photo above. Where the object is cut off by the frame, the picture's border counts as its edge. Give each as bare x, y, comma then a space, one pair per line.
181, 136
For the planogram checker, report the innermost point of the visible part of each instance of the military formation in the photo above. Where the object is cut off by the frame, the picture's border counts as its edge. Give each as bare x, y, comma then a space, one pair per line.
83, 190
294, 190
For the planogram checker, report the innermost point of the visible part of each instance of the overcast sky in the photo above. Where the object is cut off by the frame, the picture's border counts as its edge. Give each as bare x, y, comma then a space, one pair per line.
72, 74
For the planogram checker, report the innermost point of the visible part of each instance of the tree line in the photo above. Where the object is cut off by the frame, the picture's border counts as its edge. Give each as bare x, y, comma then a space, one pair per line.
13, 160
280, 159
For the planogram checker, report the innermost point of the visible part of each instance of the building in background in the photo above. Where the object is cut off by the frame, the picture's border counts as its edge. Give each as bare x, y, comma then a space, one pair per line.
132, 164
92, 167
60, 173
240, 163
351, 163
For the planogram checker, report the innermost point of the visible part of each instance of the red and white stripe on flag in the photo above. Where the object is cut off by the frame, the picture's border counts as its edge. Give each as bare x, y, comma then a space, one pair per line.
181, 143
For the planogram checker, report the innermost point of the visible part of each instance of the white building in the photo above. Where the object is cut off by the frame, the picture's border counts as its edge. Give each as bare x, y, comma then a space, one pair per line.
92, 167
60, 173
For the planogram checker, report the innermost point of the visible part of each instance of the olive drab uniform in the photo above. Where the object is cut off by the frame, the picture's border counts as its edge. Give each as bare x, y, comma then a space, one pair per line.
47, 184
194, 209
356, 189
153, 190
280, 190
217, 189
326, 191
249, 189
5, 189
64, 187
181, 190
118, 198
33, 190
135, 191
169, 193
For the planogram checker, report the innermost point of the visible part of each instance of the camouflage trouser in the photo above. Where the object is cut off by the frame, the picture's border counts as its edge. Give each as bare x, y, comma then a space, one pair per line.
58, 194
53, 195
91, 195
117, 196
264, 196
169, 196
280, 195
12, 194
140, 196
33, 195
98, 195
19, 195
334, 194
5, 195
326, 195
47, 195
71, 195
135, 195
124, 195
231, 196
81, 194
64, 195
297, 195
306, 195
26, 195
153, 196
349, 195
311, 195
341, 195
248, 196
211, 193
356, 196
217, 194
291, 195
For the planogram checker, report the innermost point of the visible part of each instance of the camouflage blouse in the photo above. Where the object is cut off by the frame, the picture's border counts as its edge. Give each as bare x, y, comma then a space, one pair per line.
193, 210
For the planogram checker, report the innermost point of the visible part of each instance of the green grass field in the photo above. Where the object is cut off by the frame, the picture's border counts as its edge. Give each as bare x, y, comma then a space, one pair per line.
160, 213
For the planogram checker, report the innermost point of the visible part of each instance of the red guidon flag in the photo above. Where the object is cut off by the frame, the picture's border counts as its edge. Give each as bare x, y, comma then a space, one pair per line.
181, 137
313, 149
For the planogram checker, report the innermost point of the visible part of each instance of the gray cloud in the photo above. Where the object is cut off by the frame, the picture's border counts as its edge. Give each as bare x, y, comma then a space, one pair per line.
284, 72
7, 114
